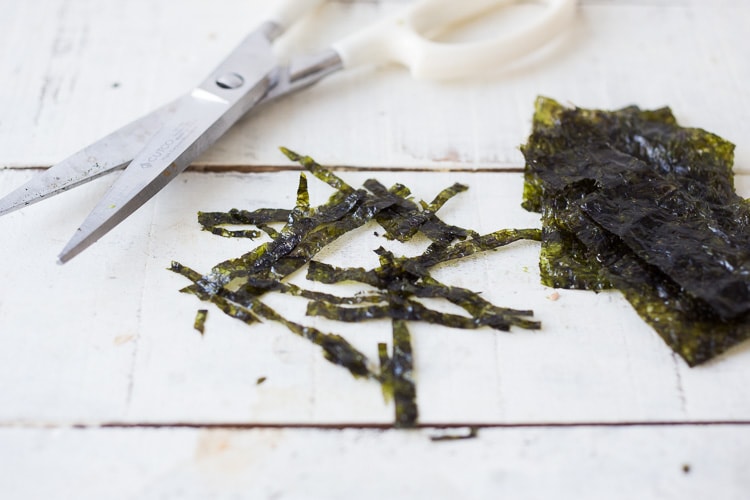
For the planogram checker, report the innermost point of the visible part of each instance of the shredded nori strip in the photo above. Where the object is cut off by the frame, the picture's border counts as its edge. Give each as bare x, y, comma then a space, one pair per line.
200, 320
632, 200
403, 279
237, 286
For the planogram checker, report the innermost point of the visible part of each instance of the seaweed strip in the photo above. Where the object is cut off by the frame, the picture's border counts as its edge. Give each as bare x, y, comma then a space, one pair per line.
386, 374
200, 320
213, 222
402, 373
437, 253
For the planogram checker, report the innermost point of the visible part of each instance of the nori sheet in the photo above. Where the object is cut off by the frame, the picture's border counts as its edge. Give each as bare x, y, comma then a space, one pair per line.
631, 199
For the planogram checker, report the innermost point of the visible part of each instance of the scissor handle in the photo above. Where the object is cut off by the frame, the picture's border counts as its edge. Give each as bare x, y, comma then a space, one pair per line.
402, 38
287, 12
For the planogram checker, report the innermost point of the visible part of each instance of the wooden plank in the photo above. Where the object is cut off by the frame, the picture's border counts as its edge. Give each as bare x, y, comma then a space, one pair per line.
691, 462
90, 66
108, 337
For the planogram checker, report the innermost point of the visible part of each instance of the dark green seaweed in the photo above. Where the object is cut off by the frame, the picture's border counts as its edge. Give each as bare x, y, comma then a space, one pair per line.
237, 286
687, 324
683, 235
632, 200
200, 320
397, 375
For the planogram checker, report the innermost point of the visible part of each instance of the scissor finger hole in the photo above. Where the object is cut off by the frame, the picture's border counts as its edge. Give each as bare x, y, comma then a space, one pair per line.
507, 18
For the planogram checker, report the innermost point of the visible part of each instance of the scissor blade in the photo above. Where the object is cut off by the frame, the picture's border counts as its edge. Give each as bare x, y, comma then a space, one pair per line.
201, 117
102, 157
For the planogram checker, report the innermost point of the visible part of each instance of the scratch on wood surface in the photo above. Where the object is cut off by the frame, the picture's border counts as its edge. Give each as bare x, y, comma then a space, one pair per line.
42, 99
68, 37
677, 362
131, 373
139, 313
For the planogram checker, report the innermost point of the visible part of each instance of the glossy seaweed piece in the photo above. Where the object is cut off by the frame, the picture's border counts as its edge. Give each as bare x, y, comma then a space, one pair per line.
404, 218
564, 261
214, 222
571, 152
684, 237
570, 146
237, 286
671, 219
687, 324
629, 198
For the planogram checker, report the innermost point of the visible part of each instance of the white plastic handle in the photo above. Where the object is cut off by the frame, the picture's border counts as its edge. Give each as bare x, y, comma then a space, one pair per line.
287, 12
402, 38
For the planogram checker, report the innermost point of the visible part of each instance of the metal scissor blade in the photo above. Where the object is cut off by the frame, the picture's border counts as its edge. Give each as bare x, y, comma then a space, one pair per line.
102, 157
304, 71
201, 117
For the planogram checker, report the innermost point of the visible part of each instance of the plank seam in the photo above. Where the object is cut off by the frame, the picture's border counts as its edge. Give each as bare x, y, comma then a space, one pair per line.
370, 426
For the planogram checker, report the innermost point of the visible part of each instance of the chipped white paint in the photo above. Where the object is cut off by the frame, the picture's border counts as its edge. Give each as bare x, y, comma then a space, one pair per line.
108, 339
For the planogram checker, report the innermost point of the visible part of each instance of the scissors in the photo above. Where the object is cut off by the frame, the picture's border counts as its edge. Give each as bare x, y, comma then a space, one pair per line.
163, 143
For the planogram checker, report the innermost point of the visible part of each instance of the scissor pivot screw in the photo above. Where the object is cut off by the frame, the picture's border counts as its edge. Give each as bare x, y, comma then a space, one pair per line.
230, 81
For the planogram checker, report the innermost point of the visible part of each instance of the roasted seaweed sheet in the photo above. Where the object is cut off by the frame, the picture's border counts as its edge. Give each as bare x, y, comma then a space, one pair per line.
630, 199
238, 286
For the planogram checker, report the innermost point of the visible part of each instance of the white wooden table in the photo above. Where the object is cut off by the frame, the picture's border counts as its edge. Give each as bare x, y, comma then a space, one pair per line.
106, 391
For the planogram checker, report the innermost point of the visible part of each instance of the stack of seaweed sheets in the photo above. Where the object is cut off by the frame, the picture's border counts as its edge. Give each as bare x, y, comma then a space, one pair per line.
631, 200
